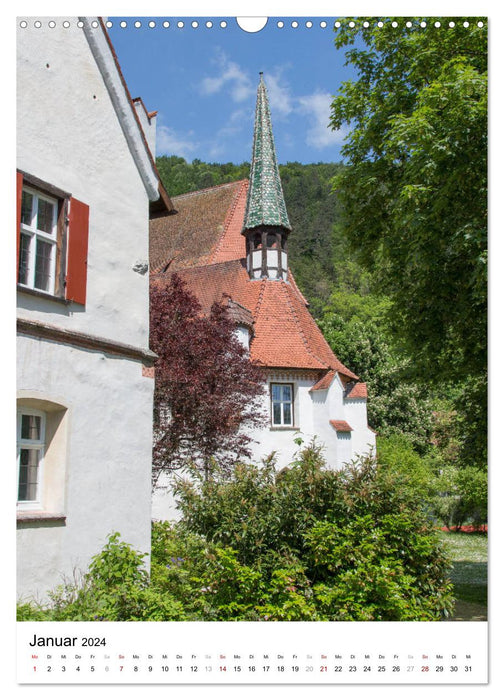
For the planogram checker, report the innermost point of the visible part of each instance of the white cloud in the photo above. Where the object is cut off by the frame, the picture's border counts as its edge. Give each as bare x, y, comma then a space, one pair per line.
171, 143
317, 107
231, 76
279, 95
237, 122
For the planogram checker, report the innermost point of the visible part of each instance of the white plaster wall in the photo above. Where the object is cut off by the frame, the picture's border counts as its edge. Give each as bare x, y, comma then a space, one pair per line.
107, 469
312, 412
363, 438
281, 440
68, 135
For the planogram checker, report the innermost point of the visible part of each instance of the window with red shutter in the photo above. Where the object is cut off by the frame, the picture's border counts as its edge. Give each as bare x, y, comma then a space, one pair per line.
52, 240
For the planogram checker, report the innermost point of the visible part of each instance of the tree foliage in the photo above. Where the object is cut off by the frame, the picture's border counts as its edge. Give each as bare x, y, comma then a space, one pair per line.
207, 391
415, 191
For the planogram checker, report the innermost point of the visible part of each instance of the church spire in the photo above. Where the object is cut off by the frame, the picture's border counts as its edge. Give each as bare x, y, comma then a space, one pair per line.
266, 224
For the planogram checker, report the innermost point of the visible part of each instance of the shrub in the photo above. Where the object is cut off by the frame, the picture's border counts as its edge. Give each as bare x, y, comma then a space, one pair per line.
359, 543
306, 543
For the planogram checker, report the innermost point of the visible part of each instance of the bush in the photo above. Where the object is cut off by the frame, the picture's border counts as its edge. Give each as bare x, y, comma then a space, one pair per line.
358, 542
462, 497
305, 543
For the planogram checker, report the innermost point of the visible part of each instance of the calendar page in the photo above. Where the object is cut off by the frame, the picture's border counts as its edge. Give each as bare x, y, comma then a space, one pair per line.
252, 348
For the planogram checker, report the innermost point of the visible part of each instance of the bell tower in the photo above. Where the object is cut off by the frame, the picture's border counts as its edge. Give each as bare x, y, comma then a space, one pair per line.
266, 225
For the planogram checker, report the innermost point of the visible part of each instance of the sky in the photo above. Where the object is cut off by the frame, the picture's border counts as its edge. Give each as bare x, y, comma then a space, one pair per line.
203, 82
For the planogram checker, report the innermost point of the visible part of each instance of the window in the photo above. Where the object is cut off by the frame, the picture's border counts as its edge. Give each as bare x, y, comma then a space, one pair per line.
31, 445
52, 240
282, 413
37, 254
42, 430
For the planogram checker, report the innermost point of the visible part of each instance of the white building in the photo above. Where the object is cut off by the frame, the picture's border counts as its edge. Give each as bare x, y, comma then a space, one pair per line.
229, 243
86, 183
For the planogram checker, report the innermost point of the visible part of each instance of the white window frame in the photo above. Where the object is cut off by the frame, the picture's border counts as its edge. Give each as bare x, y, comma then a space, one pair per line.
282, 403
35, 234
25, 443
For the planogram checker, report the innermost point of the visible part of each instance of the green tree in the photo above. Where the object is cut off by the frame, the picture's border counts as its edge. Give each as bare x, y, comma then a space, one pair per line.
415, 191
396, 403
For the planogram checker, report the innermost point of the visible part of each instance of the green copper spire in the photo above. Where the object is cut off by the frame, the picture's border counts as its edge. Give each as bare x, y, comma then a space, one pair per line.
265, 200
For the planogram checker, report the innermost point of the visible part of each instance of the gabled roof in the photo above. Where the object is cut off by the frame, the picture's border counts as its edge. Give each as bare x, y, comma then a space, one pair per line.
357, 391
204, 245
205, 230
106, 59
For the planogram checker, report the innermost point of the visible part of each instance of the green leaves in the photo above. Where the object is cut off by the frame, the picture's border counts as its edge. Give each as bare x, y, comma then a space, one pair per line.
417, 178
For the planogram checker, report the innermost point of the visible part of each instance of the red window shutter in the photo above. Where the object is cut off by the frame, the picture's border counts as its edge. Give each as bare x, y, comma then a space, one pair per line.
19, 199
76, 276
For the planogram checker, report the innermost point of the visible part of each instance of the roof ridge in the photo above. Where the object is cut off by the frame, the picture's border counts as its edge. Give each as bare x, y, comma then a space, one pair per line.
292, 280
227, 222
207, 189
260, 298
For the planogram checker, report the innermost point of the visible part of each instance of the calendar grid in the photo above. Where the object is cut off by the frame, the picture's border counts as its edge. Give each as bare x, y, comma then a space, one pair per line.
311, 653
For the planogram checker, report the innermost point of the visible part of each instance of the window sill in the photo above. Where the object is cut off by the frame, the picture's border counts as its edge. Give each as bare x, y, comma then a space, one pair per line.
39, 516
284, 427
42, 295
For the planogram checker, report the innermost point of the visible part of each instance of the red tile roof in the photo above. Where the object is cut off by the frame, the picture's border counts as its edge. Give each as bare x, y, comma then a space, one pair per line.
341, 426
358, 391
326, 381
203, 231
204, 245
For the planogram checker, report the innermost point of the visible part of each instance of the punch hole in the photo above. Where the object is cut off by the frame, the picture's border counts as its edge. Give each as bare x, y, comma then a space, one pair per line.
294, 24
309, 25
252, 24
124, 24
23, 24
138, 24
209, 24
323, 24
166, 24
152, 24
52, 24
280, 24
180, 25
223, 24
194, 25
108, 24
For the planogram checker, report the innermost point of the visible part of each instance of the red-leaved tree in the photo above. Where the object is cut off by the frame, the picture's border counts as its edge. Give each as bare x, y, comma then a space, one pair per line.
207, 391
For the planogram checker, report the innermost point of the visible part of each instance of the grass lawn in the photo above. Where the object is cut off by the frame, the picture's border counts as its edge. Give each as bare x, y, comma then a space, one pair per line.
469, 554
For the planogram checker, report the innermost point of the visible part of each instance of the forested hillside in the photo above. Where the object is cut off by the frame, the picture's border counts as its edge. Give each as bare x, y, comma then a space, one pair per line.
433, 429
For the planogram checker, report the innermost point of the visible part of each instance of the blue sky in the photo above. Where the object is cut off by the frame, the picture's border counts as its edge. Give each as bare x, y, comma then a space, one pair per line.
203, 82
